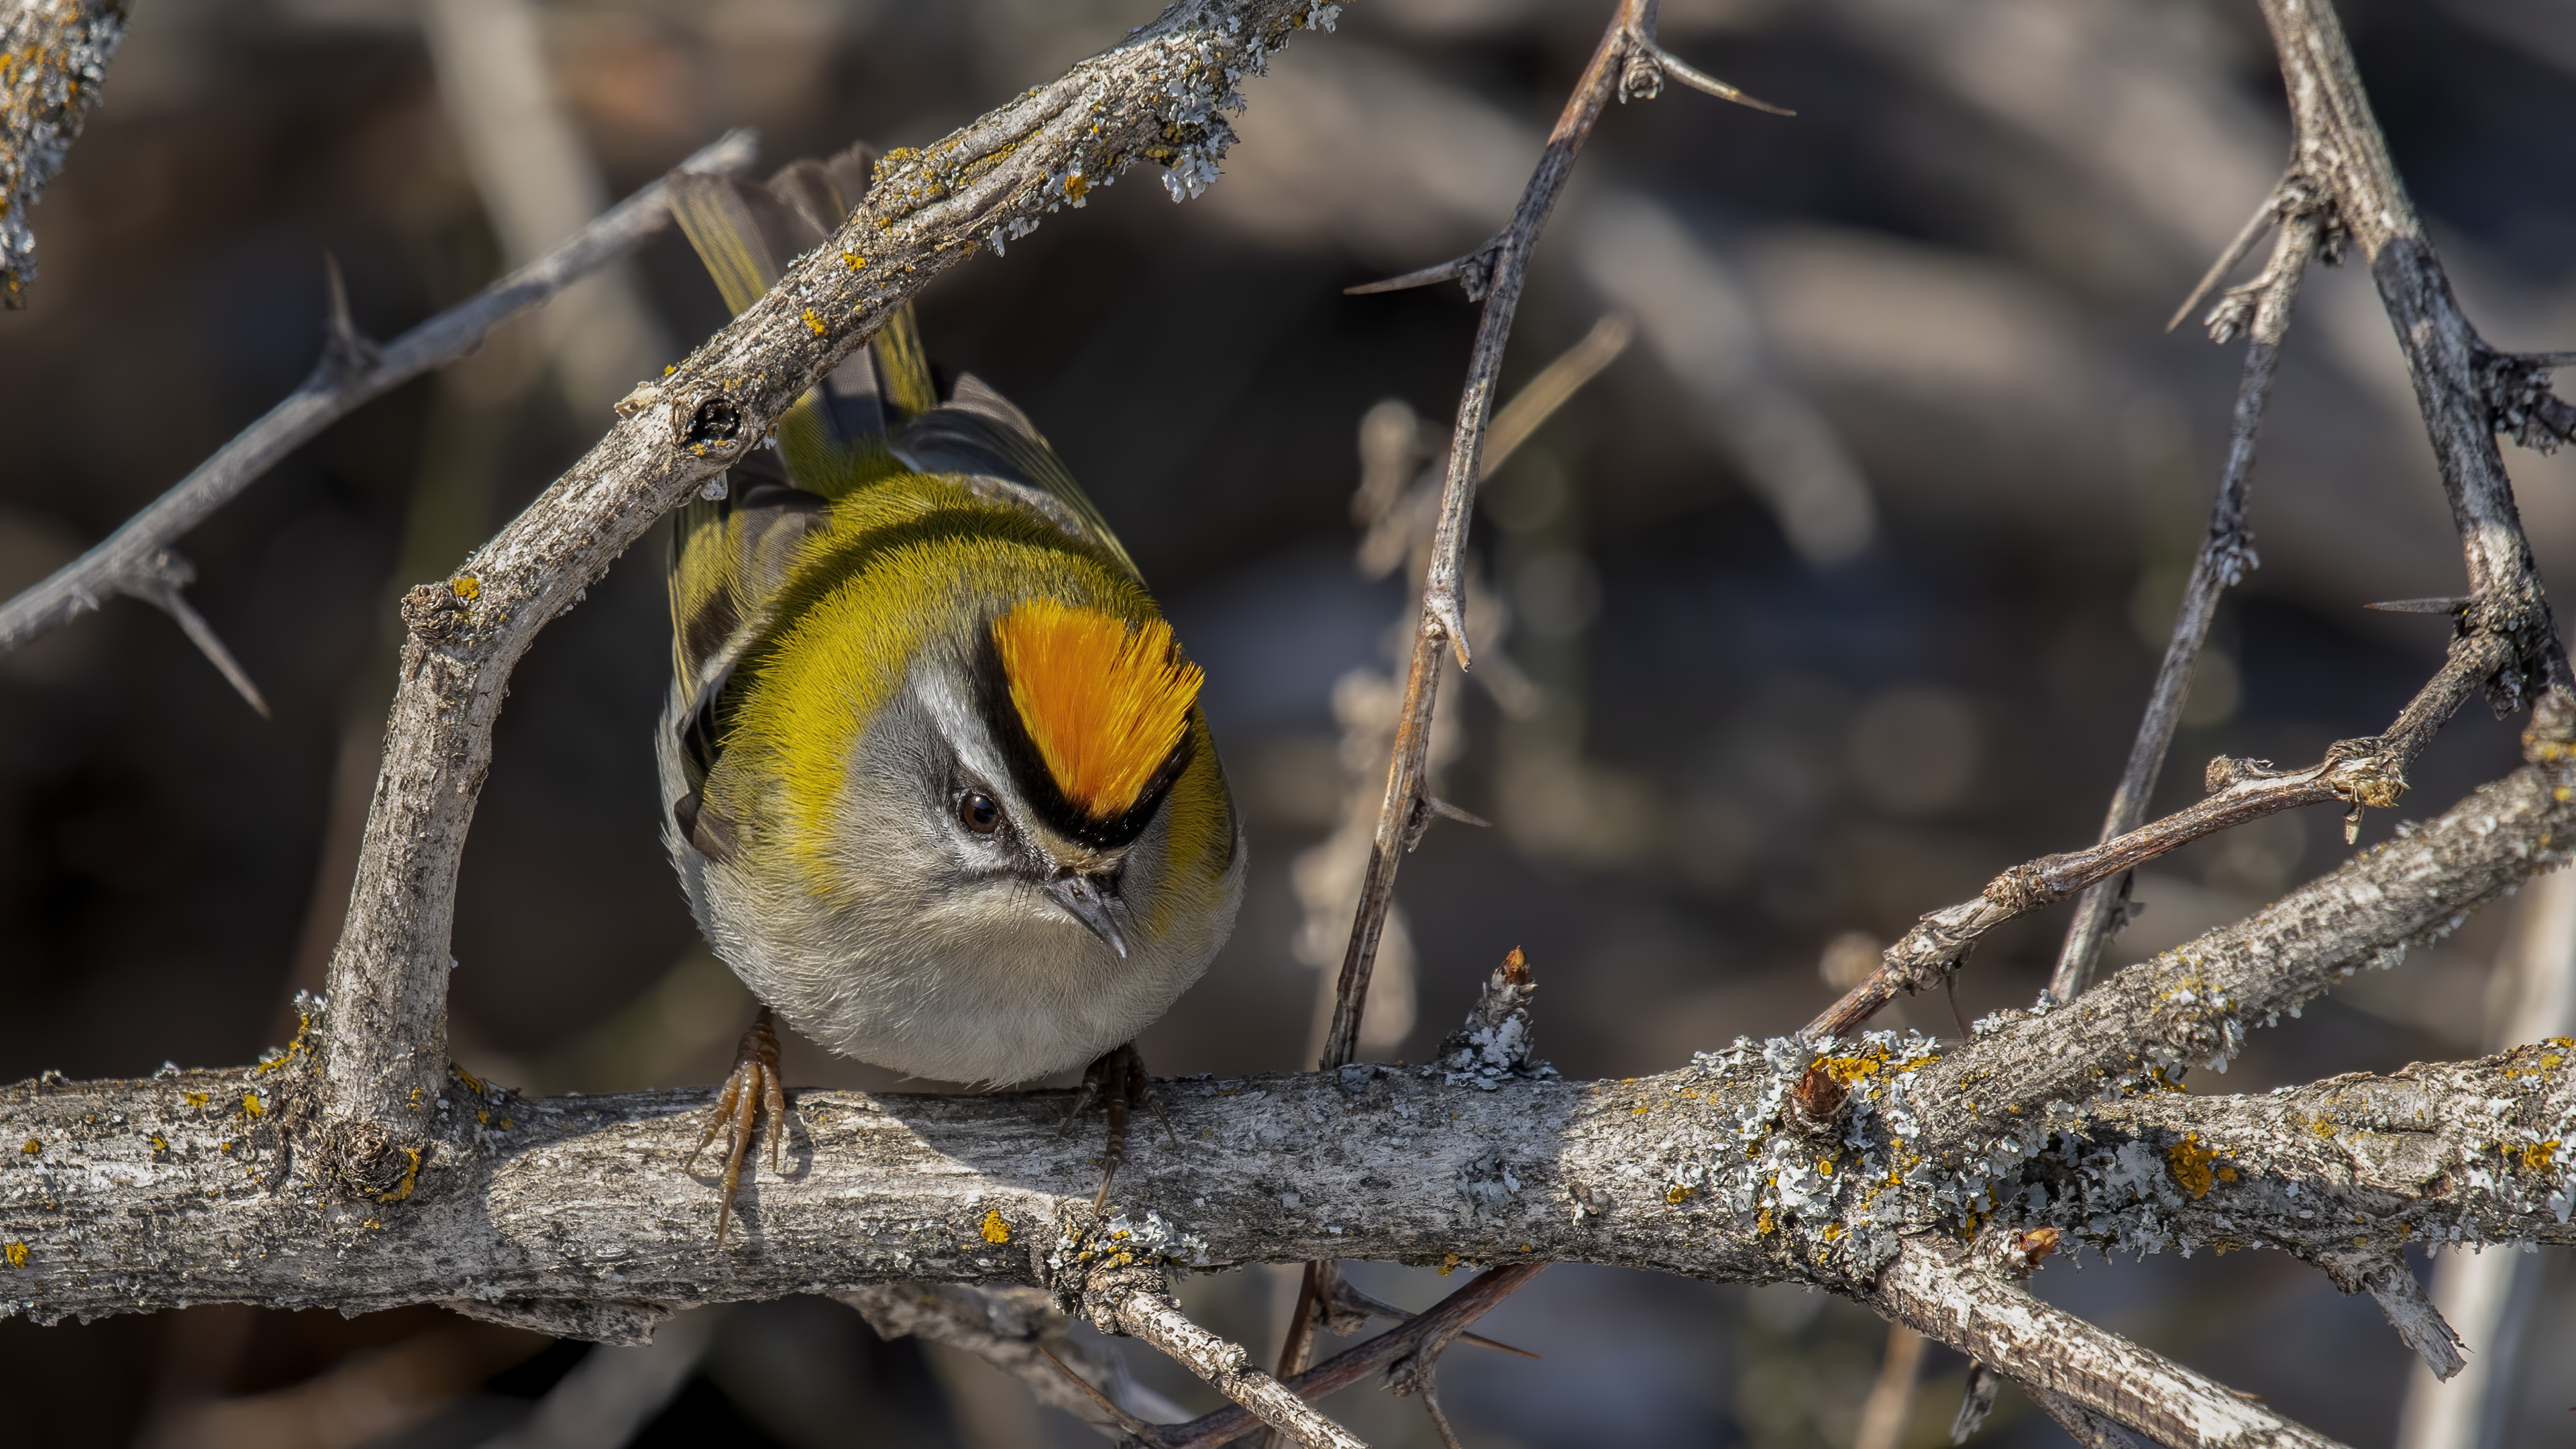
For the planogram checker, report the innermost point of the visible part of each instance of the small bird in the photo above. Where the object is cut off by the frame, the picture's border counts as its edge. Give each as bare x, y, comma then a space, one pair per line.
934, 772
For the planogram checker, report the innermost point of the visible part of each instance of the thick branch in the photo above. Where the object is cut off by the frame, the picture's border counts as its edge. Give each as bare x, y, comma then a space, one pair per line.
1160, 95
351, 373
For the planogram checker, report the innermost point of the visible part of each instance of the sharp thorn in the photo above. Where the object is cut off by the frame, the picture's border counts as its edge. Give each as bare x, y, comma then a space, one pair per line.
346, 351
1700, 80
161, 590
2422, 606
2263, 218
1447, 811
1427, 277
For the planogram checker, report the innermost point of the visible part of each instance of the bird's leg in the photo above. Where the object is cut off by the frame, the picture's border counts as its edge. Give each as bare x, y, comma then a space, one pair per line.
754, 1088
1118, 1080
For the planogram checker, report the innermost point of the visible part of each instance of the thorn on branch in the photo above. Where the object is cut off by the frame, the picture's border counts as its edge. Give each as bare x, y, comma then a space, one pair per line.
1473, 272
347, 353
165, 575
2424, 606
1641, 77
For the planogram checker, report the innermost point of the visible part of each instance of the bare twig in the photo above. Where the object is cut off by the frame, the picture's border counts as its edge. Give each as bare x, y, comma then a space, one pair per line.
351, 373
57, 53
1889, 1410
1149, 1313
2355, 773
2225, 555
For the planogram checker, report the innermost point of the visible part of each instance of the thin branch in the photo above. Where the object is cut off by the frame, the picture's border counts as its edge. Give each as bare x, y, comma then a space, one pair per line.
2238, 248
2339, 149
2355, 773
2226, 553
351, 373
1147, 1312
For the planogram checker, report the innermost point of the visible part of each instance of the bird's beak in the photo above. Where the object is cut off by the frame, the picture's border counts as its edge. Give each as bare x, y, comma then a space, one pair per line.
1082, 899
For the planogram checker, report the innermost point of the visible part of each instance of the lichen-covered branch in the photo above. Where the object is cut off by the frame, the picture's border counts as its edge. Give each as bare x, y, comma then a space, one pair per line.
53, 68
1161, 96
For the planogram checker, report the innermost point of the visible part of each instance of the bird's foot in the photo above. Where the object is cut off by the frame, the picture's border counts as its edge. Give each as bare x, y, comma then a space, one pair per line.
753, 1088
1119, 1083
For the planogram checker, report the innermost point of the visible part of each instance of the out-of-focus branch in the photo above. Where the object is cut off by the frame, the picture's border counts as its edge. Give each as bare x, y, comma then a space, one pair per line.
53, 67
2355, 773
2490, 1296
2261, 310
351, 373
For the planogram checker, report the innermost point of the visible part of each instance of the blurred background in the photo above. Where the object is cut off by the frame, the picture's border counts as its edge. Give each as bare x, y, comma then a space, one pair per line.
1836, 591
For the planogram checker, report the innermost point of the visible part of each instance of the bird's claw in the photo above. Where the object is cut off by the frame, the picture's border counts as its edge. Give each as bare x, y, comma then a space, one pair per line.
1118, 1082
754, 1089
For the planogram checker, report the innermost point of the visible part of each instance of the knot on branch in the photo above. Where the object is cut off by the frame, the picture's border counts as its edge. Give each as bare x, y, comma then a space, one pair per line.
2226, 773
1493, 1045
1640, 79
712, 429
2520, 403
2024, 887
1815, 1105
2365, 772
369, 1160
436, 613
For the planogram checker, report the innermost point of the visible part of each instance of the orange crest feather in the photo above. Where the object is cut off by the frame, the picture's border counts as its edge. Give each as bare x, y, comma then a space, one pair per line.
1104, 703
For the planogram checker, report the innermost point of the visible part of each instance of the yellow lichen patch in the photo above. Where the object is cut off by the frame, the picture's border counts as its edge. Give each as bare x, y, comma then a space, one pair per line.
2190, 1164
1104, 702
32, 1147
196, 1099
160, 1144
16, 1253
1833, 1232
411, 1178
1678, 1193
993, 1228
1766, 1224
466, 587
1449, 1264
854, 261
1825, 1165
2321, 1127
2227, 1174
2538, 1156
812, 323
252, 1106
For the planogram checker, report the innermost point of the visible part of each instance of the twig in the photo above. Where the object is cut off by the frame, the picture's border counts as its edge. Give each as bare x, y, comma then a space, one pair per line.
2356, 773
351, 373
2339, 149
1435, 1325
2225, 555
1149, 1313
2265, 216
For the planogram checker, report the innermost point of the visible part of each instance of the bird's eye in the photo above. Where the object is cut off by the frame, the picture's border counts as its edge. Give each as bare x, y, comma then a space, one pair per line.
977, 812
